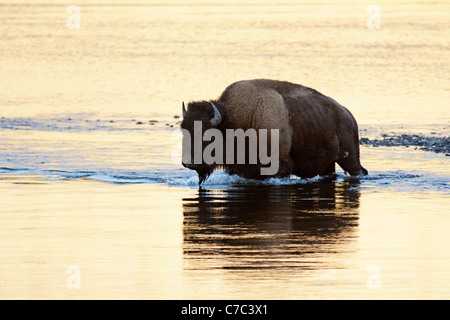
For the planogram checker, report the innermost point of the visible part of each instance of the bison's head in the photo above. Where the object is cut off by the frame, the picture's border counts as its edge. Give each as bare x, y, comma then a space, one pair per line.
198, 118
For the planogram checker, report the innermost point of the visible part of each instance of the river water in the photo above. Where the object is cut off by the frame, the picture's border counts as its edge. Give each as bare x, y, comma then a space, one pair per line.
95, 203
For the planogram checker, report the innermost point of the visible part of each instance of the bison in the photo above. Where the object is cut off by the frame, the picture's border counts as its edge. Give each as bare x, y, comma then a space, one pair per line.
308, 131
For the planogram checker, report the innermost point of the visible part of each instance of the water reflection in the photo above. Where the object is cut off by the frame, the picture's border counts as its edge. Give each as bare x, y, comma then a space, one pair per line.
261, 226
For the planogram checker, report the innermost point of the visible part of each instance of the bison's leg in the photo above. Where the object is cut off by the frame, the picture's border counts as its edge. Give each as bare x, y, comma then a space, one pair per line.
311, 167
349, 161
330, 169
348, 156
316, 159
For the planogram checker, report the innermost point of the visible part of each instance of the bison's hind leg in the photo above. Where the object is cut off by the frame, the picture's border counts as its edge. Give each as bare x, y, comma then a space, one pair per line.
349, 162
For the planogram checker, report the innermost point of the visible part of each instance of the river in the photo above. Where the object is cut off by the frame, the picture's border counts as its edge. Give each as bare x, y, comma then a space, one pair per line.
95, 202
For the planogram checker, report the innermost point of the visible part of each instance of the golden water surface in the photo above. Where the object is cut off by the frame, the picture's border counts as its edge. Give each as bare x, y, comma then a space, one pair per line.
93, 206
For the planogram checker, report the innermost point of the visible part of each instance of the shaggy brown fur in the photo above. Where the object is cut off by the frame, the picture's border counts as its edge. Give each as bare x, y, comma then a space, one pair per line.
315, 131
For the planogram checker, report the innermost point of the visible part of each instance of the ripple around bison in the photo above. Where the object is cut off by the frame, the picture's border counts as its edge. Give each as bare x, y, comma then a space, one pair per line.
435, 144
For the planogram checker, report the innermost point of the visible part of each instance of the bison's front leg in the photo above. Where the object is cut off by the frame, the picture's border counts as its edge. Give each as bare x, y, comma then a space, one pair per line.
203, 174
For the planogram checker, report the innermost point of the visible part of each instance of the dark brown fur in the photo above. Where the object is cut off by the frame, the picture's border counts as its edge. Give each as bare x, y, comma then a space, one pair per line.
315, 131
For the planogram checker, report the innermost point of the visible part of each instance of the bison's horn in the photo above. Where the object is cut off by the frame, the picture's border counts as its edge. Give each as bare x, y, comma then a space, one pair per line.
217, 117
184, 110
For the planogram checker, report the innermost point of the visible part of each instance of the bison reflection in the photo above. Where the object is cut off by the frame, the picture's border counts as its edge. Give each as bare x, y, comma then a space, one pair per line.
271, 226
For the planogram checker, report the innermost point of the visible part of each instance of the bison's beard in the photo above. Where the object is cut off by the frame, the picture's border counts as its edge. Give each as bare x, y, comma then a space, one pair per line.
203, 174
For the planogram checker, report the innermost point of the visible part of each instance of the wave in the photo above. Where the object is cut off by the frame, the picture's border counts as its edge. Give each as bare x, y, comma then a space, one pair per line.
5, 170
179, 177
171, 177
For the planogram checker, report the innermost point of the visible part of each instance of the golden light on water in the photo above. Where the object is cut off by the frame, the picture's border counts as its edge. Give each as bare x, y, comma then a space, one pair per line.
105, 233
93, 205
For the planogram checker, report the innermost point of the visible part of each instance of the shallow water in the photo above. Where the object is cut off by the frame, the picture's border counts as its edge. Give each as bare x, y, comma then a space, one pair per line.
95, 203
